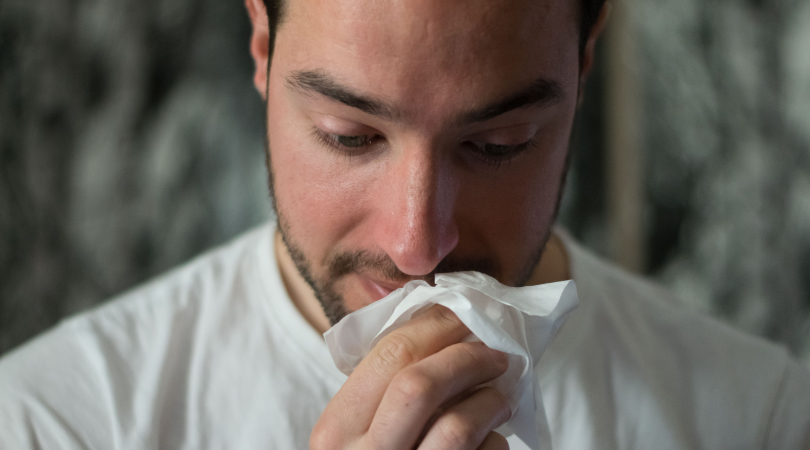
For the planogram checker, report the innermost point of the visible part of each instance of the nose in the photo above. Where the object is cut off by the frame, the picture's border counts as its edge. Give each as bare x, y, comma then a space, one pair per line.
416, 225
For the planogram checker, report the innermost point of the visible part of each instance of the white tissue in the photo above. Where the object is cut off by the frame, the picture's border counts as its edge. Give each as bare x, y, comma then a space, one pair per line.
517, 321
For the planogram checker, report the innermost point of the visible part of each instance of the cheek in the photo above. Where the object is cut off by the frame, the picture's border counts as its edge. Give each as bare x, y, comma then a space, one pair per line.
510, 213
521, 206
317, 197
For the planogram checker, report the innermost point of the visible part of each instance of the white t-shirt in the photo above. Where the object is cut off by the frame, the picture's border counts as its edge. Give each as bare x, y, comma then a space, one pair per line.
213, 355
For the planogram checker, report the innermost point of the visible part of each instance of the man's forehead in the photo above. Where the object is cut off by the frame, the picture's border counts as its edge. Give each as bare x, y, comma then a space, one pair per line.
433, 56
420, 10
419, 29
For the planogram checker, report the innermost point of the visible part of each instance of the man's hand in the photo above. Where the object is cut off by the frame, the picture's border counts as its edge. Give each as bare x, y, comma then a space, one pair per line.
416, 389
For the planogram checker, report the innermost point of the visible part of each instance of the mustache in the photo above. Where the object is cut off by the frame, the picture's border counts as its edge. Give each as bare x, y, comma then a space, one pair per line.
358, 261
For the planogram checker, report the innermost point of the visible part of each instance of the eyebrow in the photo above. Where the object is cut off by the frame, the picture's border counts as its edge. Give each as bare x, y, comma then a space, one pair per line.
317, 81
542, 92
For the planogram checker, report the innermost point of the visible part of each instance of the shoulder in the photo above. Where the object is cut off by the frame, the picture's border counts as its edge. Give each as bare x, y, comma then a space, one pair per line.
46, 388
640, 316
168, 307
636, 351
74, 385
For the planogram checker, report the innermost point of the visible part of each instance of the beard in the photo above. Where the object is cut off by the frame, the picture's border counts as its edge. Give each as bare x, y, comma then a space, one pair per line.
340, 263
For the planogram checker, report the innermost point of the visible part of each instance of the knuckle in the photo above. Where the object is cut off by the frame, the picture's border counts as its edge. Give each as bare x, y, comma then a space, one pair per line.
476, 350
397, 350
446, 316
413, 386
455, 431
484, 356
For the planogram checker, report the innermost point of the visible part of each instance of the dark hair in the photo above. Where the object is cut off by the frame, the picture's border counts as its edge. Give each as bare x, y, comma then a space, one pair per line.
588, 14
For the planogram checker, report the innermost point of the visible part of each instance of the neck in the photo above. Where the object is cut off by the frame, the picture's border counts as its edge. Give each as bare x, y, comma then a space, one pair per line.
553, 265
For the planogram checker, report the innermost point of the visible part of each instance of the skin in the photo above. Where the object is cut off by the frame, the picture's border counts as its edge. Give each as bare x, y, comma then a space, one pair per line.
425, 194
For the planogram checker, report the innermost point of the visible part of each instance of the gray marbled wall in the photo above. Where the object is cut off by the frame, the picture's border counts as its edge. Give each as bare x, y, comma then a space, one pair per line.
727, 133
131, 139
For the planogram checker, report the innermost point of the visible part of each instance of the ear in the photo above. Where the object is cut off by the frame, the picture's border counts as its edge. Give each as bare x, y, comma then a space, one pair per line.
259, 42
588, 53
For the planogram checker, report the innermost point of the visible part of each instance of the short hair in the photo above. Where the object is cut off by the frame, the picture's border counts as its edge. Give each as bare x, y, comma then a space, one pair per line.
588, 15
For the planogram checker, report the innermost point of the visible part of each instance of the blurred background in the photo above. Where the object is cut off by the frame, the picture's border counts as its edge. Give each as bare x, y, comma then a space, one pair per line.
131, 139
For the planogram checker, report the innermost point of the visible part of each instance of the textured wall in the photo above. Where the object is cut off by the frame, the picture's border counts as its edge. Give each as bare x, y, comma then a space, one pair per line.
725, 87
130, 140
727, 132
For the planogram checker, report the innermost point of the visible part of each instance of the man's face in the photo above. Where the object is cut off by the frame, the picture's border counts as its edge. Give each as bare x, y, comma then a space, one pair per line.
410, 137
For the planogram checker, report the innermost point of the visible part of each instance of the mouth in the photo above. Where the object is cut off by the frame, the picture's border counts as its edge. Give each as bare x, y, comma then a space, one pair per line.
377, 289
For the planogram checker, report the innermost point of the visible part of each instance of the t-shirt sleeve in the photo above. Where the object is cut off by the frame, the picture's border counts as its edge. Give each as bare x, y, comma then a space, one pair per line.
789, 427
50, 397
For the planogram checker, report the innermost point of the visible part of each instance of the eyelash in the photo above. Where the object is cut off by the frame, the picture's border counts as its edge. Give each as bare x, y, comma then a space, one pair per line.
489, 158
496, 160
328, 140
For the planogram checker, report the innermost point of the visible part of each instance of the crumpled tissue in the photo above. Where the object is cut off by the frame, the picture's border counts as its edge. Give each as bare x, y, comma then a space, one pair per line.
517, 321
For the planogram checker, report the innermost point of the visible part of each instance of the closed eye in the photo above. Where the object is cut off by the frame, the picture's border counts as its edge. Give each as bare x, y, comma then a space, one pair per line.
497, 154
355, 145
347, 144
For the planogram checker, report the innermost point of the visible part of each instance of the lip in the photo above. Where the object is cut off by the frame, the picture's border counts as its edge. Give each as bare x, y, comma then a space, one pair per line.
377, 289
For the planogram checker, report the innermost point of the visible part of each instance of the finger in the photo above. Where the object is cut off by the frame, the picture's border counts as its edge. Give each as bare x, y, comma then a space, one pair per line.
494, 441
417, 391
440, 410
349, 414
469, 424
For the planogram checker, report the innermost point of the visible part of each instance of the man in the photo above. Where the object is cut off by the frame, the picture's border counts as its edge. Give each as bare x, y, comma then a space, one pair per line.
405, 138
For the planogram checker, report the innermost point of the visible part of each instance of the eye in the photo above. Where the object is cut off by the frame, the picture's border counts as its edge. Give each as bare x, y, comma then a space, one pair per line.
497, 154
351, 141
495, 149
347, 144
